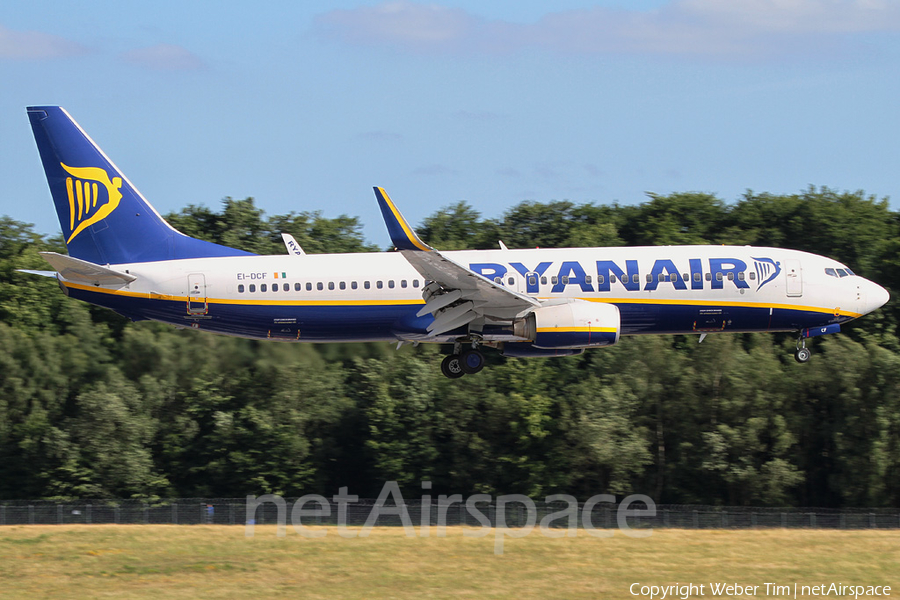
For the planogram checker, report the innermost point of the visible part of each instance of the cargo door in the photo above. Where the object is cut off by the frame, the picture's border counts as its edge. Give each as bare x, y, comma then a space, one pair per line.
196, 300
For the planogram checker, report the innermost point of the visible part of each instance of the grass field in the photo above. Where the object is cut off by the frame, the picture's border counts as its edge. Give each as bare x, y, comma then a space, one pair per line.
163, 561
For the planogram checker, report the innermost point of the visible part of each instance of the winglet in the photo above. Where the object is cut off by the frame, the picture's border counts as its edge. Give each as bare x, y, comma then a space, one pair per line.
291, 244
402, 235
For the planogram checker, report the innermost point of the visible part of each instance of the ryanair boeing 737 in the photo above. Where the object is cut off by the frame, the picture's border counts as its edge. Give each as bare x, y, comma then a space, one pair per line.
525, 303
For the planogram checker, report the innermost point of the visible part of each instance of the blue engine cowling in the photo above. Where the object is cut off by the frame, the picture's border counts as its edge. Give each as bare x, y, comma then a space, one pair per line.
528, 350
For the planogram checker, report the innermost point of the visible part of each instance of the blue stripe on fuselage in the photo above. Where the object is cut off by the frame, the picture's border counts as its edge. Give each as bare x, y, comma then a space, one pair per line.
342, 322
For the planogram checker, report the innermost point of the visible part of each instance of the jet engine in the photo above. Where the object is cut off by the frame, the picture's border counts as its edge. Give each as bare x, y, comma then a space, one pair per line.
576, 324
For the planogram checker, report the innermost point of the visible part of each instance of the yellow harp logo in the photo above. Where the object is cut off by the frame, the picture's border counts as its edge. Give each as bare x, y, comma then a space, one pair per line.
86, 206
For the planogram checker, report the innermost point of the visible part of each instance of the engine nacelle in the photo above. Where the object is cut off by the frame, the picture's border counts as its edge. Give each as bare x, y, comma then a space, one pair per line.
578, 324
527, 350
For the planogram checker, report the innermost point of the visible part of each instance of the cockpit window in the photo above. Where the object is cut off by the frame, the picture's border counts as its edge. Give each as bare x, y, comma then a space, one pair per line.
842, 272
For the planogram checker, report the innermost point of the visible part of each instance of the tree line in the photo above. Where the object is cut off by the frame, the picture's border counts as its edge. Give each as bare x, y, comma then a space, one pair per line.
93, 405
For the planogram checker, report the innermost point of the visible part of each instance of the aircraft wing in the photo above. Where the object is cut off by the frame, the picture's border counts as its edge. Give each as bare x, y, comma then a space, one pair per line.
75, 269
458, 295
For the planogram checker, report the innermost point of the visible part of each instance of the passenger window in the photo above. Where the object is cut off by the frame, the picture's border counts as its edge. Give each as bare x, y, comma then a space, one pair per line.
730, 276
330, 285
649, 277
252, 288
403, 283
673, 277
379, 284
262, 287
343, 285
543, 281
498, 280
297, 287
391, 283
353, 285
308, 286
510, 281
741, 276
415, 283
697, 277
636, 278
320, 286
274, 287
241, 288
565, 279
752, 275
684, 277
709, 276
532, 281
587, 278
367, 285
601, 279
718, 277
554, 280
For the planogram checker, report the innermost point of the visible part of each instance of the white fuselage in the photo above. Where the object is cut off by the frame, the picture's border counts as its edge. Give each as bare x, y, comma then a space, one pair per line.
343, 297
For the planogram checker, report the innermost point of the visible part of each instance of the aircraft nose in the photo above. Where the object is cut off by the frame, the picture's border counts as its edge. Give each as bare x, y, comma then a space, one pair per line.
876, 297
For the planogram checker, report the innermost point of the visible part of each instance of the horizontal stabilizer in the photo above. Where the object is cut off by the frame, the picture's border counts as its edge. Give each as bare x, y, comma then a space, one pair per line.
75, 269
41, 273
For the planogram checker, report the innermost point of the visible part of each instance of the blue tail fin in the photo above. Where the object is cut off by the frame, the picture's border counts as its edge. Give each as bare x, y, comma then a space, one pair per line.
104, 219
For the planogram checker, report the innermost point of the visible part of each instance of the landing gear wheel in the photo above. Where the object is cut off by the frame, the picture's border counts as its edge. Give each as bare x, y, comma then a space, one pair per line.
471, 361
451, 367
802, 355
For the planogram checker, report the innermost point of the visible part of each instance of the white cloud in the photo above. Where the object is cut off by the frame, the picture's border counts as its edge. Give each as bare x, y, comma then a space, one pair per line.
380, 136
400, 22
435, 170
164, 57
35, 45
477, 115
745, 28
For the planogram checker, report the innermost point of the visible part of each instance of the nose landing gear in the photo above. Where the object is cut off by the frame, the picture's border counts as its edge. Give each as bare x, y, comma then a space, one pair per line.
802, 354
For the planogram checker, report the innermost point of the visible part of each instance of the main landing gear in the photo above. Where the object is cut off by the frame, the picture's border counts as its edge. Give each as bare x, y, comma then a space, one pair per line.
461, 363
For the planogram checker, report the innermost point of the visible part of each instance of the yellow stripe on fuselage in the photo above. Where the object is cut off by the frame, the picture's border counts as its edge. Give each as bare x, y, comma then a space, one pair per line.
723, 303
241, 302
413, 302
576, 329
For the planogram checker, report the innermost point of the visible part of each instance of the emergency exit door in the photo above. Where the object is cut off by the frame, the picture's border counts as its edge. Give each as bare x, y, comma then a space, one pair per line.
794, 278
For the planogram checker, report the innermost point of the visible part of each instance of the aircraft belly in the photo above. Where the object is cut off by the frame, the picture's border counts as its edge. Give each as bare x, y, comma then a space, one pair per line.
689, 318
338, 323
313, 323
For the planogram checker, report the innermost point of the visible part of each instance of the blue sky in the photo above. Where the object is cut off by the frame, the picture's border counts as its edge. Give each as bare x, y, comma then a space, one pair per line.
305, 106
